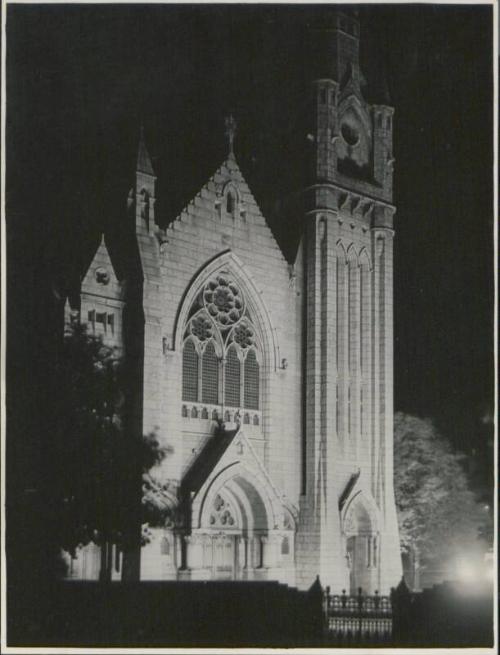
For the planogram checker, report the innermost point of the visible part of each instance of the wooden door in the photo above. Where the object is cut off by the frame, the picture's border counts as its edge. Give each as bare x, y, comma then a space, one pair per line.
224, 557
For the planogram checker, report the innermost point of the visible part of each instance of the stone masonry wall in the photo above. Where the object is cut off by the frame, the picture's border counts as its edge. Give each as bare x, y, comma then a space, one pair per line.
201, 234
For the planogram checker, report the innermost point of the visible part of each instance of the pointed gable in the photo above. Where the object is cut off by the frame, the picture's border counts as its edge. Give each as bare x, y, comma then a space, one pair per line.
102, 299
351, 83
226, 448
205, 463
100, 278
227, 201
227, 451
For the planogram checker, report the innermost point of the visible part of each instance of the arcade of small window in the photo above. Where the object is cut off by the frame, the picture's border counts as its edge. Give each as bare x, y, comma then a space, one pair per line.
104, 319
221, 354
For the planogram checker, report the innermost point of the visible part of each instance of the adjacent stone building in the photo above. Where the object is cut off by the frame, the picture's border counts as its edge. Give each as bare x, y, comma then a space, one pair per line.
271, 383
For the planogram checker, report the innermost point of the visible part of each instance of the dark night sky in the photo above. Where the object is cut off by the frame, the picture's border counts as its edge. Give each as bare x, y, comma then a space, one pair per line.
82, 78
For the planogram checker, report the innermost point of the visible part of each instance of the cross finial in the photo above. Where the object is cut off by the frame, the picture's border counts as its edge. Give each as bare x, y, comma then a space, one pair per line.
230, 132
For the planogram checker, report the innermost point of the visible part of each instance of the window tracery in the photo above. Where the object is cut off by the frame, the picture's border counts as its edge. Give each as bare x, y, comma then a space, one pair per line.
223, 301
221, 354
244, 335
201, 328
221, 515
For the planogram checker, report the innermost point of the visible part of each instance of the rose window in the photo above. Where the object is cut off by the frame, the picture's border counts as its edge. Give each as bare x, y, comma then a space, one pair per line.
201, 328
223, 301
244, 336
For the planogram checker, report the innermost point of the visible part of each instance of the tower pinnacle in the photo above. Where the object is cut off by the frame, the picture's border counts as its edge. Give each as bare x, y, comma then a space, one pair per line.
335, 46
230, 132
144, 164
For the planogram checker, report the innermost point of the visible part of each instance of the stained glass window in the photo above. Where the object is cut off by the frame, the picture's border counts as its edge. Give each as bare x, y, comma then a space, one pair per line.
210, 375
189, 372
251, 381
219, 320
232, 381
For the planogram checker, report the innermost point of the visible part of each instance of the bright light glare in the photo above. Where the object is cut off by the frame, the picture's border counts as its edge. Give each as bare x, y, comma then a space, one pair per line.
474, 573
467, 572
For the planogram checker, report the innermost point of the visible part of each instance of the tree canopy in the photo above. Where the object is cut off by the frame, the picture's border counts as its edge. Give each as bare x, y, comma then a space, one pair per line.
99, 463
439, 516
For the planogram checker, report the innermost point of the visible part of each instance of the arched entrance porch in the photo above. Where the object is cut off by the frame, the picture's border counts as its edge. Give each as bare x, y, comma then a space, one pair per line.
238, 530
362, 543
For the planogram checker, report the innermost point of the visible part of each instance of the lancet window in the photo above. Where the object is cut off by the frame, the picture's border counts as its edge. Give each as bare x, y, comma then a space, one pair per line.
221, 351
251, 389
210, 374
190, 372
232, 378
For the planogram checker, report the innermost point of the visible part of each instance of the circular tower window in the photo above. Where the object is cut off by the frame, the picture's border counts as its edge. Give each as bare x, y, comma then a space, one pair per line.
350, 134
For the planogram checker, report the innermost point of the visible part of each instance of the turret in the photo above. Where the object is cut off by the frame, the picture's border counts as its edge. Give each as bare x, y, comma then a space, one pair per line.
352, 140
383, 160
145, 188
335, 45
325, 114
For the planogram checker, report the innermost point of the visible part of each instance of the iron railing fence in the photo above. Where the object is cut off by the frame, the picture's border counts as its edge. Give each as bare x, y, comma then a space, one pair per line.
359, 619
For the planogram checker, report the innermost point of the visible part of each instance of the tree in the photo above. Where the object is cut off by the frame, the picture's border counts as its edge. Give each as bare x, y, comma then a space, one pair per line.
158, 497
439, 516
96, 458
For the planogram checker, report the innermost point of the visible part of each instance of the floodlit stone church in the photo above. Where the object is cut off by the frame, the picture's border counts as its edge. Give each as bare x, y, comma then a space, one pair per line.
270, 382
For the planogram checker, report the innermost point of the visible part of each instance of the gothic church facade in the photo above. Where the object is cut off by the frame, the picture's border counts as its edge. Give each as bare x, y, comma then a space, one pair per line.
271, 383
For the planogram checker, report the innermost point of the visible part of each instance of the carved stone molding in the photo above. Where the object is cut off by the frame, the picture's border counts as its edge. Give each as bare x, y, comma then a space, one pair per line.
379, 247
321, 229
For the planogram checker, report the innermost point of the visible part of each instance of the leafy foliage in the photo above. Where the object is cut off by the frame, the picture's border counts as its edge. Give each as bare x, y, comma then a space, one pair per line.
157, 496
439, 516
98, 463
157, 502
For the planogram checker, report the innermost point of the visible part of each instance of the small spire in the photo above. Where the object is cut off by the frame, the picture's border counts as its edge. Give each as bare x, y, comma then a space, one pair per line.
230, 132
144, 164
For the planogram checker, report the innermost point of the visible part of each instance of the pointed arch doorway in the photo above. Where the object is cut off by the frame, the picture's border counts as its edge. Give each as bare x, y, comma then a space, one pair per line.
224, 540
233, 540
362, 547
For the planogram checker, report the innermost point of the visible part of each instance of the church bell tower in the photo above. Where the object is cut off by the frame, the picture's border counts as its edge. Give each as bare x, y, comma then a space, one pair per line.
349, 533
